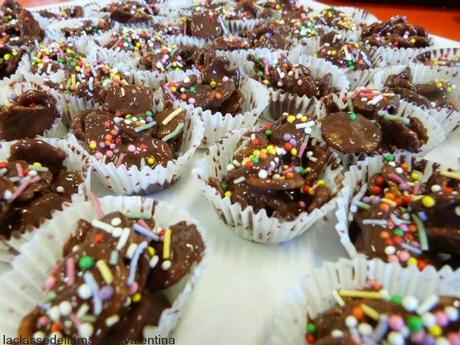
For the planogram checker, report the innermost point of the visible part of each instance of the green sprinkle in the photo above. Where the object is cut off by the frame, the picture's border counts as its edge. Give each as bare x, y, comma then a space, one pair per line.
255, 159
268, 132
193, 89
224, 185
86, 262
353, 116
396, 299
399, 232
389, 157
311, 328
414, 323
149, 113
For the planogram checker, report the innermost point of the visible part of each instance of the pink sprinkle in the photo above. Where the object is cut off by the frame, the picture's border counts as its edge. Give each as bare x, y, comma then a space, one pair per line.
43, 321
75, 319
133, 288
396, 178
112, 146
22, 187
454, 339
49, 283
169, 92
99, 155
299, 82
403, 255
19, 169
141, 222
131, 148
109, 154
441, 318
396, 322
96, 204
303, 146
225, 79
191, 100
70, 271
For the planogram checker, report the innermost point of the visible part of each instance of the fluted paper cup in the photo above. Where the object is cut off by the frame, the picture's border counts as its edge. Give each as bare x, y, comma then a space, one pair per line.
21, 287
246, 223
429, 58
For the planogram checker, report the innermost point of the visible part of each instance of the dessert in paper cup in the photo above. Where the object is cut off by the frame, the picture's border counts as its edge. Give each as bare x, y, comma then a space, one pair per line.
433, 89
273, 183
366, 122
295, 80
397, 40
220, 96
118, 267
346, 52
137, 151
40, 177
368, 301
28, 110
439, 58
402, 209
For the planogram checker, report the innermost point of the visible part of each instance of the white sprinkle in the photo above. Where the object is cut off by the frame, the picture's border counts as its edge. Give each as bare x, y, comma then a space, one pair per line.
84, 291
154, 261
85, 330
131, 249
112, 320
166, 265
428, 304
239, 180
60, 189
115, 221
65, 308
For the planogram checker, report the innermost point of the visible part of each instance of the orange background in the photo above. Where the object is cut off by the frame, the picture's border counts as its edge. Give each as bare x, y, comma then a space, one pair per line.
443, 22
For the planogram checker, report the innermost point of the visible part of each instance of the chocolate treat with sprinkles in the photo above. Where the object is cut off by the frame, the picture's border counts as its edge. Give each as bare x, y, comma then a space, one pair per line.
205, 22
275, 34
34, 182
430, 95
217, 90
396, 32
372, 315
333, 18
293, 78
348, 55
128, 132
57, 56
9, 60
87, 28
278, 168
108, 283
288, 9
230, 43
130, 12
408, 216
18, 26
64, 13
172, 57
27, 115
443, 59
135, 40
368, 124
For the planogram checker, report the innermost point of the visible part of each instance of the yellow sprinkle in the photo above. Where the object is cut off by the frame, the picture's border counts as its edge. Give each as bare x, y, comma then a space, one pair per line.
321, 182
151, 161
167, 244
213, 83
360, 294
37, 165
294, 151
304, 118
171, 116
450, 174
137, 297
428, 201
92, 145
389, 202
412, 261
311, 191
173, 89
415, 176
105, 271
291, 118
371, 312
256, 152
151, 251
435, 331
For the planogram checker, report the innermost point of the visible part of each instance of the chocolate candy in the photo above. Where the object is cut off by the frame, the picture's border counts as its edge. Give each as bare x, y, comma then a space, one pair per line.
30, 114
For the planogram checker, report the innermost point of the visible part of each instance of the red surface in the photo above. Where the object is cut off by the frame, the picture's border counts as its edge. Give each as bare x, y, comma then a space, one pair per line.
439, 21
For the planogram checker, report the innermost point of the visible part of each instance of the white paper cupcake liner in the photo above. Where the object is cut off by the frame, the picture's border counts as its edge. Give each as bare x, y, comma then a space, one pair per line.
430, 55
216, 125
235, 26
279, 99
58, 129
123, 180
21, 287
400, 56
245, 223
355, 186
435, 132
356, 77
76, 160
449, 119
312, 295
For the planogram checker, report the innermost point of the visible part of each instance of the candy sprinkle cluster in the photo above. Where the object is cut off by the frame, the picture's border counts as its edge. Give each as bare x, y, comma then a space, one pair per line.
394, 195
410, 320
